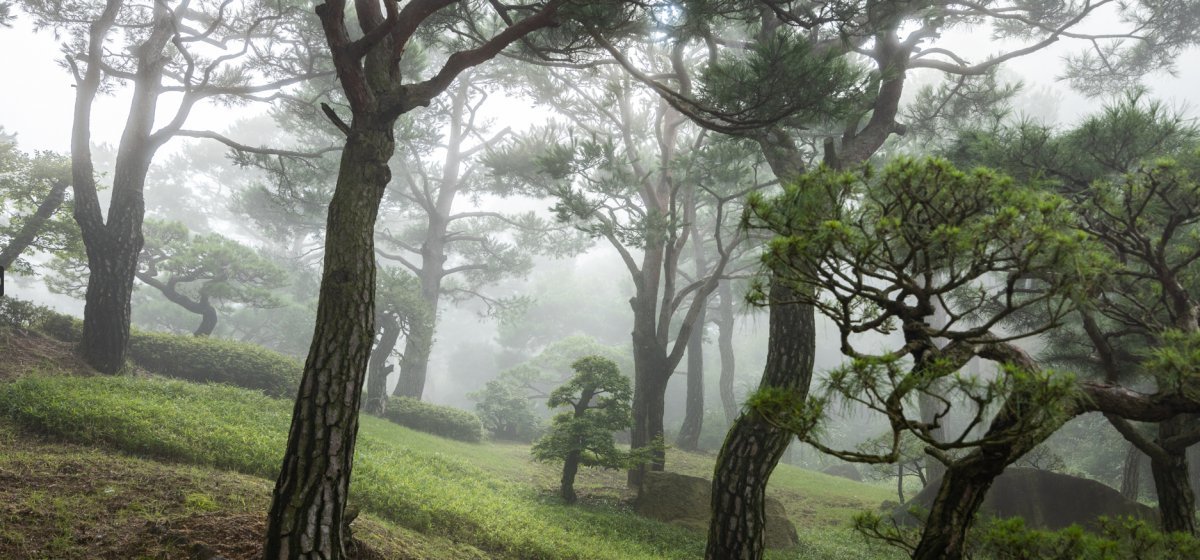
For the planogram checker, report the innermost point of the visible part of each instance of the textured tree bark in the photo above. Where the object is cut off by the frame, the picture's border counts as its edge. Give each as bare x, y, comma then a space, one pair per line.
962, 490
377, 371
33, 225
754, 446
725, 322
310, 494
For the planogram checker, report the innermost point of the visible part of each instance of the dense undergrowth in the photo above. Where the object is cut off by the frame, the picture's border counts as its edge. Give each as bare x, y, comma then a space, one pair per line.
411, 485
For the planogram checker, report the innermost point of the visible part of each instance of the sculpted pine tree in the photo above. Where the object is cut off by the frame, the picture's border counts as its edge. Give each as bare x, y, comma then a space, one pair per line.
598, 398
919, 235
199, 50
308, 506
1101, 164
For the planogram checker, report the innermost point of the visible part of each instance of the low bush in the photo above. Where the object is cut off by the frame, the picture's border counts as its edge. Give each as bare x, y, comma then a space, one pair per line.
445, 421
215, 360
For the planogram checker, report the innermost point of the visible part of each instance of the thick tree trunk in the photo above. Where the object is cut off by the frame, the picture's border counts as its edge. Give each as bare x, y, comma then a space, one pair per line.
306, 519
570, 468
725, 322
962, 489
113, 245
693, 420
377, 372
33, 224
649, 404
1176, 503
754, 445
111, 267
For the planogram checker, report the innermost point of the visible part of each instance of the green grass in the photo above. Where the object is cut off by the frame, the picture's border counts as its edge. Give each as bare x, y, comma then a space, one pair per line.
487, 496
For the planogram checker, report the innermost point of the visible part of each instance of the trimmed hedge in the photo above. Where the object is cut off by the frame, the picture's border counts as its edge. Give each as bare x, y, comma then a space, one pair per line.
216, 360
445, 421
190, 358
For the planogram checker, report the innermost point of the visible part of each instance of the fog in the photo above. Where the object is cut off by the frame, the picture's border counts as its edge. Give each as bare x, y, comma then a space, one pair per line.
642, 209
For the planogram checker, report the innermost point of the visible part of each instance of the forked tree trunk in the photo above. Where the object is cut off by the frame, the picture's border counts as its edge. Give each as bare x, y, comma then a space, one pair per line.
310, 494
754, 445
377, 372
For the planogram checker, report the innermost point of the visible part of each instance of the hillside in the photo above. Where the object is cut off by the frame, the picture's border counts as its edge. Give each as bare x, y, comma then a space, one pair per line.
140, 466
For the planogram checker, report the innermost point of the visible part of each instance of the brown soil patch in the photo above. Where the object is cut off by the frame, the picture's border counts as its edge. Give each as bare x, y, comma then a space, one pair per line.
29, 352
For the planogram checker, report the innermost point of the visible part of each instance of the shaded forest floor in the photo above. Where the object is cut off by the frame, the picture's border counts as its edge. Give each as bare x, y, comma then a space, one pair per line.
141, 467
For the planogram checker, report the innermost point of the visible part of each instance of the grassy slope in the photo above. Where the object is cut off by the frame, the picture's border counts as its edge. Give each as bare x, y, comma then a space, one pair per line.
486, 495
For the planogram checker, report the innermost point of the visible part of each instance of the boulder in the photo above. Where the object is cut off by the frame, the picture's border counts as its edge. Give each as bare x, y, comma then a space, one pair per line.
685, 500
844, 470
1045, 499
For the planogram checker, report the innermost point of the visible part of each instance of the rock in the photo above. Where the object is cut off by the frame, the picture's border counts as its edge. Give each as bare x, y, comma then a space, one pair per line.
685, 500
1046, 500
844, 470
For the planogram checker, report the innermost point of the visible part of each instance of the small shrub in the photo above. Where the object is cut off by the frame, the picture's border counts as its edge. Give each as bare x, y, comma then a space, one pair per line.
445, 421
20, 314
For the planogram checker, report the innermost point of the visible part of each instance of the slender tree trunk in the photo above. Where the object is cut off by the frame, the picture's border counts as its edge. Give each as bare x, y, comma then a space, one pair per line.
570, 468
754, 445
33, 224
900, 481
377, 372
208, 318
418, 345
725, 322
306, 519
1176, 503
1131, 473
693, 420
